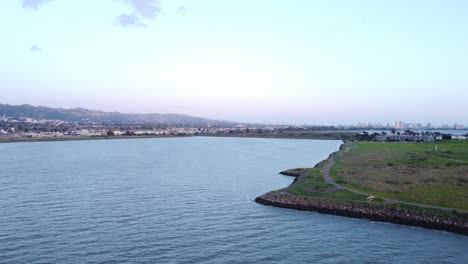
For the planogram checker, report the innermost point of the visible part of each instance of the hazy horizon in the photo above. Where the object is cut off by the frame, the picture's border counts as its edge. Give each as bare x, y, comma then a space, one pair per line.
307, 62
383, 123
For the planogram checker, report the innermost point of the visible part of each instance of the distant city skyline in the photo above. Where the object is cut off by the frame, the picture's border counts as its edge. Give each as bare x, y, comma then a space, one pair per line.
410, 125
399, 124
301, 62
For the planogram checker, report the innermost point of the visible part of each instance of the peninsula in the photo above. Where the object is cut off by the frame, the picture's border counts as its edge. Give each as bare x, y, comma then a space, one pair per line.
419, 184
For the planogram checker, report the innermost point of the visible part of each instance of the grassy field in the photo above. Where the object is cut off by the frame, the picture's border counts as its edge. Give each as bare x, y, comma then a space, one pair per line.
313, 185
427, 173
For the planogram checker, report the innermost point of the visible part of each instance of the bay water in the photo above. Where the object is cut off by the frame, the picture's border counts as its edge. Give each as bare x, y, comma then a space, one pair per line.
185, 200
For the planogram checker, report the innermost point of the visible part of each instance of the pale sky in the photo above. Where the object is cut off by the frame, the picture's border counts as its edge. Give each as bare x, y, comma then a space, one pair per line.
268, 61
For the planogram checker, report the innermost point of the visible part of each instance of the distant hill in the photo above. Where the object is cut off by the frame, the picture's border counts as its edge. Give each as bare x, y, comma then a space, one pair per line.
81, 114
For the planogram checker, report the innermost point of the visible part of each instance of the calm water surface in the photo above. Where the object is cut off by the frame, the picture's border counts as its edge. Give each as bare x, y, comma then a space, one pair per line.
185, 200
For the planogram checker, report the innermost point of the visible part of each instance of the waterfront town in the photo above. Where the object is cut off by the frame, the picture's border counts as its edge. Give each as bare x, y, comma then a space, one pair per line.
24, 128
34, 128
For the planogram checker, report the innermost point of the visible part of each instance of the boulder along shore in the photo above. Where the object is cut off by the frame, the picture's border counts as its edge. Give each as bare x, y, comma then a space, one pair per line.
372, 211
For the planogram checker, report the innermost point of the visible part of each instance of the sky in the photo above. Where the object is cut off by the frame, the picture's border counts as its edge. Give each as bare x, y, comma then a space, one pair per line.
262, 61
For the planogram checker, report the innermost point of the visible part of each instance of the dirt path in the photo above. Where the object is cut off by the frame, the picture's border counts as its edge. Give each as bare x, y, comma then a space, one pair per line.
329, 180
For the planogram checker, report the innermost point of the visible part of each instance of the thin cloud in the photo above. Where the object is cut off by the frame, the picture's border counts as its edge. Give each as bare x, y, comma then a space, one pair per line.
145, 8
33, 4
141, 9
35, 48
182, 10
131, 20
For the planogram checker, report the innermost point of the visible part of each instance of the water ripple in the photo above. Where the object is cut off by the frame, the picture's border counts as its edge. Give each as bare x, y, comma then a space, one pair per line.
187, 200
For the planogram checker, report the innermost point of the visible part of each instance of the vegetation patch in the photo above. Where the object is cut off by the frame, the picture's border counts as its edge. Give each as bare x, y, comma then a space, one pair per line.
427, 173
312, 184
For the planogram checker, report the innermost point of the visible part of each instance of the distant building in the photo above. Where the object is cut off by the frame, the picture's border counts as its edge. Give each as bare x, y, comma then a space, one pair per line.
407, 138
362, 125
399, 125
26, 120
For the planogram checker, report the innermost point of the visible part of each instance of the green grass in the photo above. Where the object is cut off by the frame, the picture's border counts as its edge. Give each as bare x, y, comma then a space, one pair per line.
313, 185
411, 172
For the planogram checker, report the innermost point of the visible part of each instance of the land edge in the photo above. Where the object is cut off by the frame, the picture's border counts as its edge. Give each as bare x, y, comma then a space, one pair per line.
83, 138
364, 210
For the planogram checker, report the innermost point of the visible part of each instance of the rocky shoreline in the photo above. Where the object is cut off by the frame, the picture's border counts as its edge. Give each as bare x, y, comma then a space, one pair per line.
372, 211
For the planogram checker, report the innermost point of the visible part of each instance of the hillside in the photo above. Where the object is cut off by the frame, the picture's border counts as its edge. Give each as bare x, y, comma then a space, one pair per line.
81, 114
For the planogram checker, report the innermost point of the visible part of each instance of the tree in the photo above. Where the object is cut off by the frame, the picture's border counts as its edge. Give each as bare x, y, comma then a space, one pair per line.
110, 133
446, 137
364, 135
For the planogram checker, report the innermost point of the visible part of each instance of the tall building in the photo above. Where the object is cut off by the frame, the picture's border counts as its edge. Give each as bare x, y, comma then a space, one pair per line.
399, 125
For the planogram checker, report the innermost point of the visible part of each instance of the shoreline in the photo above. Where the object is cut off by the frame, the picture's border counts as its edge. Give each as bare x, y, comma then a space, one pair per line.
365, 211
81, 138
376, 211
318, 136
